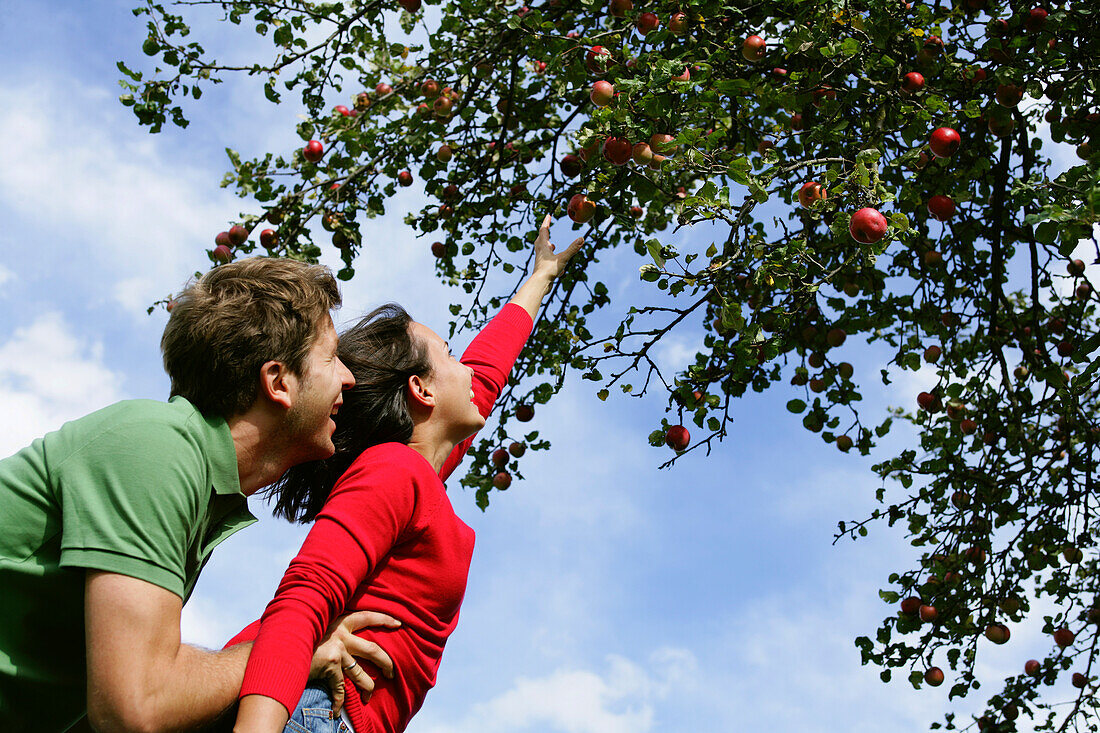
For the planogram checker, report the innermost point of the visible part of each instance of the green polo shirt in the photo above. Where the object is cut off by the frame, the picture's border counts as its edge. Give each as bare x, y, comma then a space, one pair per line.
142, 488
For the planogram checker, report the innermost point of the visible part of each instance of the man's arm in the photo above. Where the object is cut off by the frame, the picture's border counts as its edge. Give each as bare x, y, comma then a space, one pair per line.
140, 676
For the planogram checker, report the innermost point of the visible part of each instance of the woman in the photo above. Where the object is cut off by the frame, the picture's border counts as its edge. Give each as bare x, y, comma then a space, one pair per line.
385, 537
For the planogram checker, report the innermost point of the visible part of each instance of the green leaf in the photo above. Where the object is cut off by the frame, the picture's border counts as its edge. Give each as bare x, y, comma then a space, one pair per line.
796, 406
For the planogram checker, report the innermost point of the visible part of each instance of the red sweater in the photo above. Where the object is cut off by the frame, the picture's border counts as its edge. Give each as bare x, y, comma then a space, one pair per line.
387, 540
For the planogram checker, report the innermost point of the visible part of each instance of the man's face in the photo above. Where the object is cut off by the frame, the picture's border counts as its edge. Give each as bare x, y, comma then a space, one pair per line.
318, 396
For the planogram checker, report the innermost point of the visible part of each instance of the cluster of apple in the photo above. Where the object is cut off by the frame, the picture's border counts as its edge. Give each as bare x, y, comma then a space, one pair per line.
500, 457
914, 608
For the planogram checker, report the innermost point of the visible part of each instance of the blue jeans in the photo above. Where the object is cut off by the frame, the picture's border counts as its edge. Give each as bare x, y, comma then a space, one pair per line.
313, 714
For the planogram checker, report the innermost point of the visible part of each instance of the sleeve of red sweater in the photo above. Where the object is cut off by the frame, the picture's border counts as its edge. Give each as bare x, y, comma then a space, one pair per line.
491, 355
373, 506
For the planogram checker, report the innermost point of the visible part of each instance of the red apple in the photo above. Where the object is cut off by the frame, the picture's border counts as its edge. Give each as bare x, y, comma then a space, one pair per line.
269, 238
602, 93
928, 402
313, 151
502, 481
647, 22
968, 427
934, 676
597, 60
941, 207
222, 254
619, 8
661, 142
677, 24
500, 458
362, 101
944, 142
237, 235
677, 437
796, 121
822, 95
637, 212
580, 209
442, 107
911, 605
410, 6
811, 191
383, 89
836, 337
844, 443
867, 226
405, 178
765, 145
429, 88
222, 239
933, 45
753, 48
439, 249
444, 153
1076, 268
571, 165
341, 109
975, 74
928, 613
617, 150
912, 82
1079, 680
1036, 19
997, 633
642, 153
685, 75
524, 413
779, 73
1008, 95
1032, 667
932, 354
517, 449
1063, 637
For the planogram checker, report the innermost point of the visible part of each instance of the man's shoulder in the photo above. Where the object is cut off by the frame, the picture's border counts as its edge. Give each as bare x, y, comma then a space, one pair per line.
141, 420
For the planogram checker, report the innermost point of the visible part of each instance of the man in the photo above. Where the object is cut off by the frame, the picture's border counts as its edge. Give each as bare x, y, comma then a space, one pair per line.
106, 523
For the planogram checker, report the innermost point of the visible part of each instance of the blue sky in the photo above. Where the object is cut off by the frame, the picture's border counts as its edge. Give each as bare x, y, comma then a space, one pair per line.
605, 595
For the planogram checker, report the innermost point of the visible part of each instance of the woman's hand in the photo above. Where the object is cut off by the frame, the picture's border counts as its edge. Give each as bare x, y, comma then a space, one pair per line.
548, 263
548, 266
336, 655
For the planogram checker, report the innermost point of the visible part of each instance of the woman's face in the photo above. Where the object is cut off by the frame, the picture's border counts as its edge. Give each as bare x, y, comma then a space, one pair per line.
451, 384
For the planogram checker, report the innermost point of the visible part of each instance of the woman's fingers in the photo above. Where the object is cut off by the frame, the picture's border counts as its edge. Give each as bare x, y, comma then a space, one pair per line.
352, 622
371, 652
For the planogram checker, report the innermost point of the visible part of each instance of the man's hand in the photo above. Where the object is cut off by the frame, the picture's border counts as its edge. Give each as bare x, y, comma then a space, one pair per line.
335, 654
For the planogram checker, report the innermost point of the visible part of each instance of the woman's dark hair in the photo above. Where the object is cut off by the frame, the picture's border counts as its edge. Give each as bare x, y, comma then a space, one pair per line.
382, 354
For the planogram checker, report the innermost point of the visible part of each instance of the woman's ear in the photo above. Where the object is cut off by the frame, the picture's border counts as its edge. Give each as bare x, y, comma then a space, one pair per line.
420, 393
277, 384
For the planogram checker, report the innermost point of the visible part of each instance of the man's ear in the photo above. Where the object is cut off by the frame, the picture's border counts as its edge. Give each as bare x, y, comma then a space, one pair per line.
277, 384
420, 393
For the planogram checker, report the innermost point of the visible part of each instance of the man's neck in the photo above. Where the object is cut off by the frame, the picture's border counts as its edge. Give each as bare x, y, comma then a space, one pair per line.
260, 459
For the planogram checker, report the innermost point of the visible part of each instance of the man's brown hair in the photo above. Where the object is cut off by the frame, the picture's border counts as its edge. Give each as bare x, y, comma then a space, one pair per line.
226, 324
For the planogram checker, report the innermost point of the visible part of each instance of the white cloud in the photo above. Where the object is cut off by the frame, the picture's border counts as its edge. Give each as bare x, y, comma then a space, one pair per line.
620, 700
49, 375
5, 275
144, 219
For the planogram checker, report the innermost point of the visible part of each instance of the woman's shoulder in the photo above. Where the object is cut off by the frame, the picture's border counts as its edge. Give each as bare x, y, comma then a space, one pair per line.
393, 460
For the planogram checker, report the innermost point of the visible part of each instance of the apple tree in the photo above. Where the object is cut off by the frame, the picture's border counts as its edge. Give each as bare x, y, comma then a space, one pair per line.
876, 172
